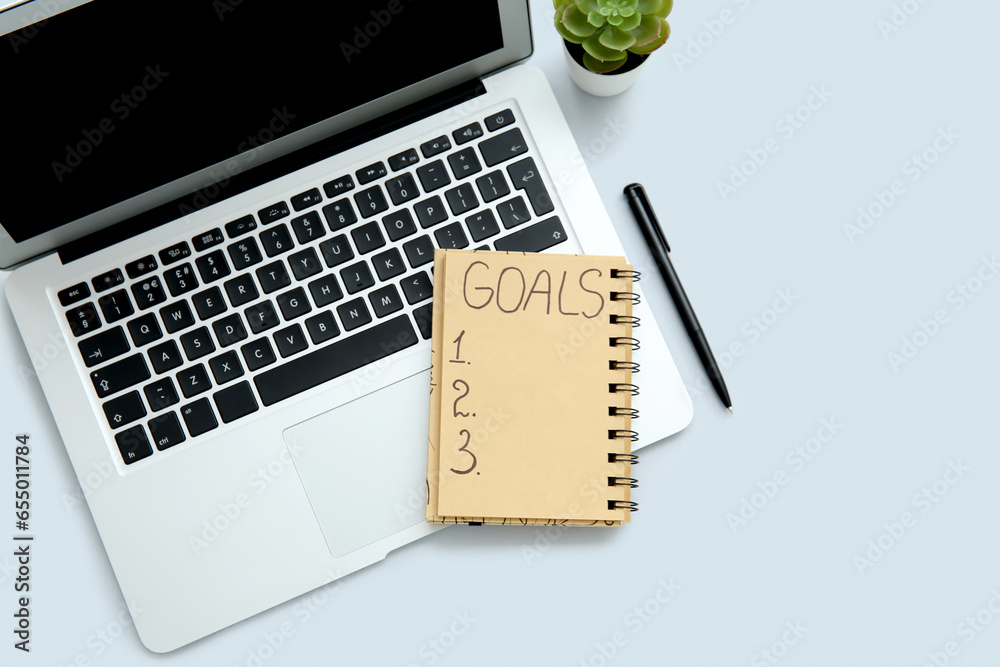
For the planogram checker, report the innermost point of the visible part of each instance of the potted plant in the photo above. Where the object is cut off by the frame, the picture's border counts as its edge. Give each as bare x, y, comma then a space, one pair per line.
608, 40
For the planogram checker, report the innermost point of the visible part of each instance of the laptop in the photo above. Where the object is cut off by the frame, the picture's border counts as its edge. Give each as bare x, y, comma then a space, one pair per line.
225, 215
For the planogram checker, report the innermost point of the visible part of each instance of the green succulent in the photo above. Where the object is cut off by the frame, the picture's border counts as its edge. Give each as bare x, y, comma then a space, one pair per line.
609, 30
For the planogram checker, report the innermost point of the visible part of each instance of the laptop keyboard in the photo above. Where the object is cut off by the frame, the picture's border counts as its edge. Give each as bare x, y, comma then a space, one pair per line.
302, 291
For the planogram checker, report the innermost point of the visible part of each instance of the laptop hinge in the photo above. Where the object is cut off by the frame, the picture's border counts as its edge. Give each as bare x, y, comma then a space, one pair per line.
269, 171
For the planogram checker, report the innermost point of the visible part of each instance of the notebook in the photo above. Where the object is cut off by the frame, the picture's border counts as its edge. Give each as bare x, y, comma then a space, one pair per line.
531, 389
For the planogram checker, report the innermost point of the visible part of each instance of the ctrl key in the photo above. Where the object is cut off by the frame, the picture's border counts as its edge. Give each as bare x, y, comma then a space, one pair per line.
133, 444
166, 431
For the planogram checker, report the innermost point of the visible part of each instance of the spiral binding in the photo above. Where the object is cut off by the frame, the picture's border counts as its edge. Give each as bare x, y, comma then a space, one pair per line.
617, 434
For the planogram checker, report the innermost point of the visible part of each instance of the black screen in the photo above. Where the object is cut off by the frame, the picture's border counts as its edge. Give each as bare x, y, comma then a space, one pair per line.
114, 98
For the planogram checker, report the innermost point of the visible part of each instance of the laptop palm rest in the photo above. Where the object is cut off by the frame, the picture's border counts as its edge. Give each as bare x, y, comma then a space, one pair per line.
364, 464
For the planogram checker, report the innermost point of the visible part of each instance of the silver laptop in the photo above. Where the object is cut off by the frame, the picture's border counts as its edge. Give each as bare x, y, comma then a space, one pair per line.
225, 215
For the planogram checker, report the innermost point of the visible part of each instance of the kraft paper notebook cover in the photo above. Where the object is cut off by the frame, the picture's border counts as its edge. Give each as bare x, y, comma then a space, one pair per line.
531, 389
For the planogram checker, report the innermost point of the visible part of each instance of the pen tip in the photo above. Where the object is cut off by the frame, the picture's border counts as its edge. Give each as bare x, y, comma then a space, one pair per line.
730, 409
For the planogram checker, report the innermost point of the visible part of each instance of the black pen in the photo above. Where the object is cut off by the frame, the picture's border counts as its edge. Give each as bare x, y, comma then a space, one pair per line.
657, 242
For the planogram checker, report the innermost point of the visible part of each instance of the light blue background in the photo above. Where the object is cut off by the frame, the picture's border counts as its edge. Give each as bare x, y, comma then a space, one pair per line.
559, 597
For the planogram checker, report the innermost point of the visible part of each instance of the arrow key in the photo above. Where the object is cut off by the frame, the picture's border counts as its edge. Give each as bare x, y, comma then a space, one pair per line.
107, 345
124, 409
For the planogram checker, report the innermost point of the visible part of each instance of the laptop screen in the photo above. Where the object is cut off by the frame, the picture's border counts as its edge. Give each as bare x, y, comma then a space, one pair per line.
113, 99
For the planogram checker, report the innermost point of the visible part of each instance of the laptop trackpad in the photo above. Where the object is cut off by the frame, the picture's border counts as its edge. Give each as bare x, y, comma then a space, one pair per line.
364, 464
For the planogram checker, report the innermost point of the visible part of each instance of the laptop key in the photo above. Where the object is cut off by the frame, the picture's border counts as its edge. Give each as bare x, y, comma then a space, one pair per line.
175, 253
197, 343
368, 237
198, 417
402, 189
120, 375
160, 394
399, 225
293, 303
419, 251
148, 293
226, 367
388, 264
273, 277
229, 330
308, 227
336, 251
180, 280
103, 346
141, 267
499, 120
535, 238
464, 163
115, 306
433, 176
339, 214
482, 225
370, 173
403, 160
385, 300
245, 253
464, 135
423, 315
165, 356
524, 175
273, 212
462, 199
357, 277
417, 288
492, 186
258, 354
241, 290
83, 319
213, 266
338, 186
239, 227
451, 237
166, 431
336, 359
261, 317
144, 330
193, 380
107, 280
205, 241
235, 402
176, 316
209, 303
503, 147
431, 211
435, 146
124, 409
290, 340
322, 327
276, 240
325, 290
513, 212
354, 314
371, 201
71, 295
306, 199
304, 263
133, 444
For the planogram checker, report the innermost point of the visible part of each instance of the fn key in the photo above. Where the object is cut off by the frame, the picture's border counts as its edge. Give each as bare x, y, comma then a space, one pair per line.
535, 238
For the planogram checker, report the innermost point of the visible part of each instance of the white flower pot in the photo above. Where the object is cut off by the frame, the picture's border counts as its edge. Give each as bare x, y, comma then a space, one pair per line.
601, 85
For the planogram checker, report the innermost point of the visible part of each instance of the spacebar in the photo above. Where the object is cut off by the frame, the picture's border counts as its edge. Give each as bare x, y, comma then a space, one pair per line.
334, 360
